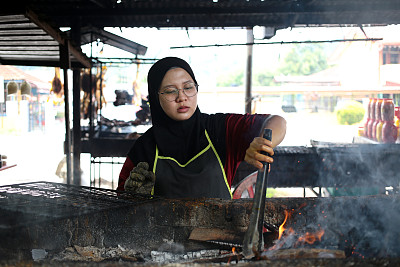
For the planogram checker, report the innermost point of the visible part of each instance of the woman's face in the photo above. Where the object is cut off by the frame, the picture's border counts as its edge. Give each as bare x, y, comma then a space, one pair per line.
183, 107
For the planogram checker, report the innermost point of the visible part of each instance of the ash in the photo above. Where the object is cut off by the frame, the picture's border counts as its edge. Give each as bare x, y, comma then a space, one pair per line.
167, 257
95, 254
120, 254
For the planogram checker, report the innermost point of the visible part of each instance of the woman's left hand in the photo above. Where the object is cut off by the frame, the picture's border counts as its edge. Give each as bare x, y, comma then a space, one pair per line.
253, 155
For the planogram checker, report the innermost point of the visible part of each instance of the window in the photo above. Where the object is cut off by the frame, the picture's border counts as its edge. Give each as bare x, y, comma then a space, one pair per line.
391, 54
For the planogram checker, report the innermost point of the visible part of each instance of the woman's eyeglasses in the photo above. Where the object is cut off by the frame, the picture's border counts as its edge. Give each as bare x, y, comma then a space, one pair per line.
171, 93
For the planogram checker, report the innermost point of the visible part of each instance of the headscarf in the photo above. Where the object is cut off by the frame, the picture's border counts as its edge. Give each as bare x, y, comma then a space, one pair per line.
180, 140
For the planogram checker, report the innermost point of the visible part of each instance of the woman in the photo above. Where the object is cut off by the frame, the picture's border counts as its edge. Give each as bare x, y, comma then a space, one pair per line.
192, 154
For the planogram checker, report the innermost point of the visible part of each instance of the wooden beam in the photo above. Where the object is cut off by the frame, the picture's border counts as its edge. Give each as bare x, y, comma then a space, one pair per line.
65, 61
56, 34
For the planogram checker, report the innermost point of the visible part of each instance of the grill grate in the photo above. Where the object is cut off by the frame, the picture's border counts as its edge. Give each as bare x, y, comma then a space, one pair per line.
286, 150
34, 202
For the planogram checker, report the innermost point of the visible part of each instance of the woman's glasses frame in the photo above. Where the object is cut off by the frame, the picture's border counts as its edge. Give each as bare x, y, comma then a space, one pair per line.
171, 93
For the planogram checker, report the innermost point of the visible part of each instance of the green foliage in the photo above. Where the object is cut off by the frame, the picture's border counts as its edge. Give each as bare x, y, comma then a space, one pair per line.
304, 59
271, 192
59, 115
235, 78
350, 112
263, 78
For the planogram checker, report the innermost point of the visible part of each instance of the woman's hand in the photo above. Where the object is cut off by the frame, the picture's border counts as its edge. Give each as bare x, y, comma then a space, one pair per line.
140, 180
253, 155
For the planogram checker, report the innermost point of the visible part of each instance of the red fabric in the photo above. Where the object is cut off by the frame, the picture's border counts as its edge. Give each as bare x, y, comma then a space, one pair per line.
124, 174
239, 134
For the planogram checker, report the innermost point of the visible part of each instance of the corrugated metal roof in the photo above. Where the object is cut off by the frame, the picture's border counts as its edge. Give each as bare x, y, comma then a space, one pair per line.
217, 13
30, 35
26, 40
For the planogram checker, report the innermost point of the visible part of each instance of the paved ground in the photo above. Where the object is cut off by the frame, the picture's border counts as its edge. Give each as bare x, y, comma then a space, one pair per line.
37, 154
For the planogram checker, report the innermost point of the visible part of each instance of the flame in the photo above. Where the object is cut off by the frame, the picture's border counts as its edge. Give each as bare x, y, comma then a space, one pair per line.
233, 254
282, 226
286, 234
310, 238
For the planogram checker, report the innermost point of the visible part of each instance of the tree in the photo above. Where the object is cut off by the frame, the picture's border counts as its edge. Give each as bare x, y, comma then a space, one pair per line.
263, 78
235, 78
304, 59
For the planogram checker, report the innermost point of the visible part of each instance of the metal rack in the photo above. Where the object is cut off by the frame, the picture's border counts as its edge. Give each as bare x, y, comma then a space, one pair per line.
96, 164
31, 203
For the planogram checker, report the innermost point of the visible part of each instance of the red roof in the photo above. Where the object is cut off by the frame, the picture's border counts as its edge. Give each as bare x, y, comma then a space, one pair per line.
390, 83
14, 73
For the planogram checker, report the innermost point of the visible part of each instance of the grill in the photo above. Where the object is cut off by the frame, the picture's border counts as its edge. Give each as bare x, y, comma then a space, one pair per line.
333, 165
55, 220
33, 203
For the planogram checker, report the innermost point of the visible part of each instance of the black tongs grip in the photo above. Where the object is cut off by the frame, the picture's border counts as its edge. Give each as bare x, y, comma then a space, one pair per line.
253, 239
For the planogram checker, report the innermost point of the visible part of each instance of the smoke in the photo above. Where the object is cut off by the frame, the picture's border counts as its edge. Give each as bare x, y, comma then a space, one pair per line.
365, 226
368, 225
361, 217
358, 170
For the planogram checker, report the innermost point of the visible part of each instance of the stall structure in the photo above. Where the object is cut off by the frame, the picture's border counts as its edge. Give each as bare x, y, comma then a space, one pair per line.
43, 219
29, 40
31, 35
103, 145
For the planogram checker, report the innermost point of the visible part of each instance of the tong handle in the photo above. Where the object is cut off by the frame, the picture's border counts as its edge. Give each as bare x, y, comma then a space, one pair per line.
253, 239
267, 134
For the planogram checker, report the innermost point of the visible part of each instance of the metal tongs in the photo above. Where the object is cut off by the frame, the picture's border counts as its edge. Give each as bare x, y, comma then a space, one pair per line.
253, 239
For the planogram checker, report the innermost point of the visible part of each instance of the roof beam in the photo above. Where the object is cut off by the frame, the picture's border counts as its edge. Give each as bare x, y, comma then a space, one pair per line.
88, 34
56, 34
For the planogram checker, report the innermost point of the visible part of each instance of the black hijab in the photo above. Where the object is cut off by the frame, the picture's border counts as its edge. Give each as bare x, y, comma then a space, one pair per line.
180, 140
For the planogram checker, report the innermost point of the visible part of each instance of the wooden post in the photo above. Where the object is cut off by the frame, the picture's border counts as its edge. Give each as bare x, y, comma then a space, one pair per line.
250, 41
65, 65
76, 112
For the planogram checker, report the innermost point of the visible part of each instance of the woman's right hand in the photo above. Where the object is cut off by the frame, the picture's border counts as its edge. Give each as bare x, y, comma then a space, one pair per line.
141, 180
253, 153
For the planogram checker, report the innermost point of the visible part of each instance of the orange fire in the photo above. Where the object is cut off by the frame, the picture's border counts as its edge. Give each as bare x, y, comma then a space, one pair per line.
282, 226
310, 238
233, 254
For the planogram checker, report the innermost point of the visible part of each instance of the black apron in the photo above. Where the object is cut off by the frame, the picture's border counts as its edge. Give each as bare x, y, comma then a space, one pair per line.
201, 176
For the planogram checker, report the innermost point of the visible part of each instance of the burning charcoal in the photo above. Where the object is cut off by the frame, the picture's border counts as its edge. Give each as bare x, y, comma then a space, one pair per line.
271, 227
